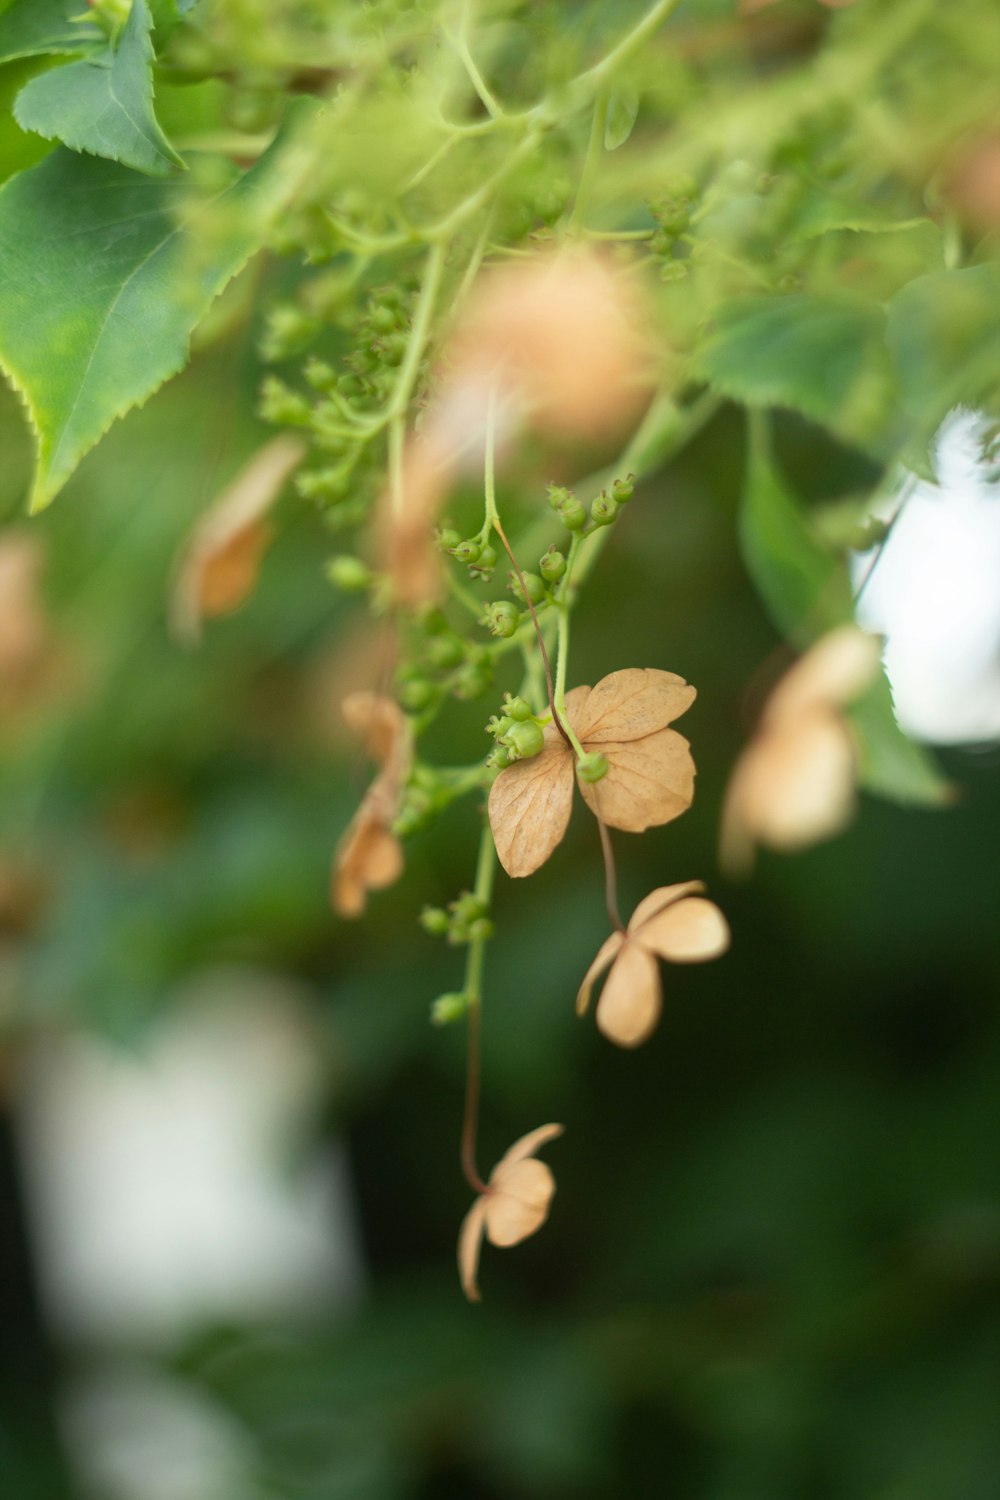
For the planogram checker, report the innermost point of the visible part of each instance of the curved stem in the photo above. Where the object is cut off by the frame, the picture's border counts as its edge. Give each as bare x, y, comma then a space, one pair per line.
610, 876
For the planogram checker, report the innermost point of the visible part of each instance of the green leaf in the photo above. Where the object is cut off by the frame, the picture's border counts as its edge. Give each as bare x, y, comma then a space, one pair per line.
944, 337
105, 275
623, 111
30, 28
104, 104
806, 590
821, 355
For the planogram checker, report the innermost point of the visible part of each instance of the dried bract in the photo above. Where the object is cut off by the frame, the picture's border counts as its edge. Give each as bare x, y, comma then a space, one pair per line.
675, 923
221, 560
794, 783
514, 1206
650, 777
369, 856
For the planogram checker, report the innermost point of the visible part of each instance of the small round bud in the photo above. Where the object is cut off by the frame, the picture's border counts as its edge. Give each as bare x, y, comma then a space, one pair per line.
502, 618
434, 919
504, 725
447, 538
283, 406
534, 587
467, 551
604, 510
449, 1008
320, 375
593, 767
517, 708
433, 620
487, 559
526, 739
445, 651
467, 907
558, 496
498, 759
572, 514
552, 565
416, 694
622, 489
473, 682
481, 930
384, 319
349, 574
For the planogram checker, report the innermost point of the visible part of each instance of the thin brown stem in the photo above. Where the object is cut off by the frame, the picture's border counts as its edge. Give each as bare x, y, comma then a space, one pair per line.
610, 876
470, 1119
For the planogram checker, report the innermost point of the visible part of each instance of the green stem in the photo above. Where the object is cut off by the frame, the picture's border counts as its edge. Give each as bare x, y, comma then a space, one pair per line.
473, 991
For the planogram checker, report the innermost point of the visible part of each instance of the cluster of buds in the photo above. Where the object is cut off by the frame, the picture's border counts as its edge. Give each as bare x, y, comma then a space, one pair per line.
464, 920
518, 733
603, 511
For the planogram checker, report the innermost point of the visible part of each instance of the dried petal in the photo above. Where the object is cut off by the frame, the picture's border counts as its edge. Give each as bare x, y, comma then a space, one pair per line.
795, 785
369, 856
470, 1240
664, 895
405, 525
525, 1147
530, 804
605, 954
632, 998
521, 1205
627, 705
832, 673
221, 560
378, 721
689, 931
650, 781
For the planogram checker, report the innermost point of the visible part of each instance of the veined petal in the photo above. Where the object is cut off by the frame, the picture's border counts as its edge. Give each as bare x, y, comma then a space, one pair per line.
529, 806
470, 1239
521, 1205
630, 704
607, 951
690, 931
833, 672
664, 895
796, 782
650, 781
631, 999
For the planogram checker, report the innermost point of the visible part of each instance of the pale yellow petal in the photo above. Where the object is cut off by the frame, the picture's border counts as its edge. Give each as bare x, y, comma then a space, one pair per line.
378, 721
525, 1147
470, 1239
529, 806
368, 858
691, 931
521, 1205
650, 781
663, 896
630, 704
833, 672
797, 782
605, 954
631, 999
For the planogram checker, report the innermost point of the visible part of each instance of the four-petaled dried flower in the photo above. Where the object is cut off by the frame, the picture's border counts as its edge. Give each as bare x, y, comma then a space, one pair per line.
222, 557
514, 1205
369, 856
675, 923
650, 777
794, 783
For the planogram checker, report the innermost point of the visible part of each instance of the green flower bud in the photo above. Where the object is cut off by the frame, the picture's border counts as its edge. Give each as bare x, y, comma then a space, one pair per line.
622, 489
393, 348
445, 651
473, 682
349, 574
447, 538
434, 919
533, 586
433, 620
481, 930
467, 551
449, 1008
593, 767
572, 514
516, 708
552, 565
320, 375
526, 739
674, 270
498, 759
466, 908
604, 509
487, 560
384, 319
283, 406
502, 618
417, 693
558, 496
504, 725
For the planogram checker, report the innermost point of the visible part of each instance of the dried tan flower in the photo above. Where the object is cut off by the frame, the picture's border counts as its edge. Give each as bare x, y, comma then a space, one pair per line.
650, 777
515, 1204
369, 856
221, 559
24, 634
794, 783
675, 923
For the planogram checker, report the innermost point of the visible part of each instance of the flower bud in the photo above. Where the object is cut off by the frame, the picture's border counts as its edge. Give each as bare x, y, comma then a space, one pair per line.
604, 510
533, 586
481, 930
487, 560
552, 565
447, 538
517, 708
434, 919
416, 694
525, 739
592, 767
572, 514
498, 759
449, 1008
467, 551
558, 496
502, 618
504, 725
622, 489
445, 651
473, 682
349, 574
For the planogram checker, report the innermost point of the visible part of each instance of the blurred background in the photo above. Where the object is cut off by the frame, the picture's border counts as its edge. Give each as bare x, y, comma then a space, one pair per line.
229, 1182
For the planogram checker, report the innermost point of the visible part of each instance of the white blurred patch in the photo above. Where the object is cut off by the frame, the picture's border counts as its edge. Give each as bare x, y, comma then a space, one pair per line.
935, 593
179, 1187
